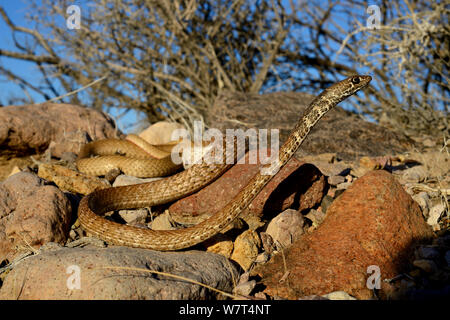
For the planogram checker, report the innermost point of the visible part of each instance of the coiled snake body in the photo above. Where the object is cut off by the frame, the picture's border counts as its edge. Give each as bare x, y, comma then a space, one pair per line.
192, 180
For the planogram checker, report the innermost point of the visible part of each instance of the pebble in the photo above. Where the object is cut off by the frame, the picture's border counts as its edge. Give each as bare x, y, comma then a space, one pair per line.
134, 216
69, 156
245, 288
335, 180
246, 247
267, 242
124, 180
316, 217
224, 246
435, 214
326, 201
162, 222
415, 174
338, 295
424, 202
285, 227
343, 186
262, 257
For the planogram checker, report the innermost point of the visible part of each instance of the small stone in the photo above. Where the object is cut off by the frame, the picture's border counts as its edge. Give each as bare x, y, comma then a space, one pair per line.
316, 217
262, 257
69, 157
223, 247
71, 180
331, 192
426, 265
124, 180
261, 296
427, 252
335, 180
338, 295
338, 192
134, 216
244, 277
415, 174
313, 297
244, 289
246, 249
424, 202
267, 242
73, 234
343, 186
286, 227
435, 214
162, 222
360, 171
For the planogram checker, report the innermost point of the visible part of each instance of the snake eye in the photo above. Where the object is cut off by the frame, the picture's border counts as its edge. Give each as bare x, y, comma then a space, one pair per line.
356, 80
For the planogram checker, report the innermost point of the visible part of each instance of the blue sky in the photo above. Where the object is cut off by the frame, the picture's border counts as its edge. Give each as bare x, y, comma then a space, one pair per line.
16, 9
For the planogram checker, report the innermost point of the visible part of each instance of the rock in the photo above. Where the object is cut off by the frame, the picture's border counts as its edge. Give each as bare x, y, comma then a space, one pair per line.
135, 216
415, 174
338, 295
424, 202
313, 297
71, 180
326, 201
162, 222
88, 273
267, 242
31, 214
244, 289
160, 132
316, 217
429, 266
435, 214
343, 186
262, 257
375, 163
335, 180
339, 131
124, 180
29, 129
246, 247
295, 185
285, 228
222, 245
373, 223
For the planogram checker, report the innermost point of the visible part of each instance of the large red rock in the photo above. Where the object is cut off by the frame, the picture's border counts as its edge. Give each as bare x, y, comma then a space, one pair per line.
29, 129
296, 185
374, 222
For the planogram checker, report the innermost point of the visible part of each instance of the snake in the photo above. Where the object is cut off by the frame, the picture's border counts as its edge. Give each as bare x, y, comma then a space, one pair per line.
93, 206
